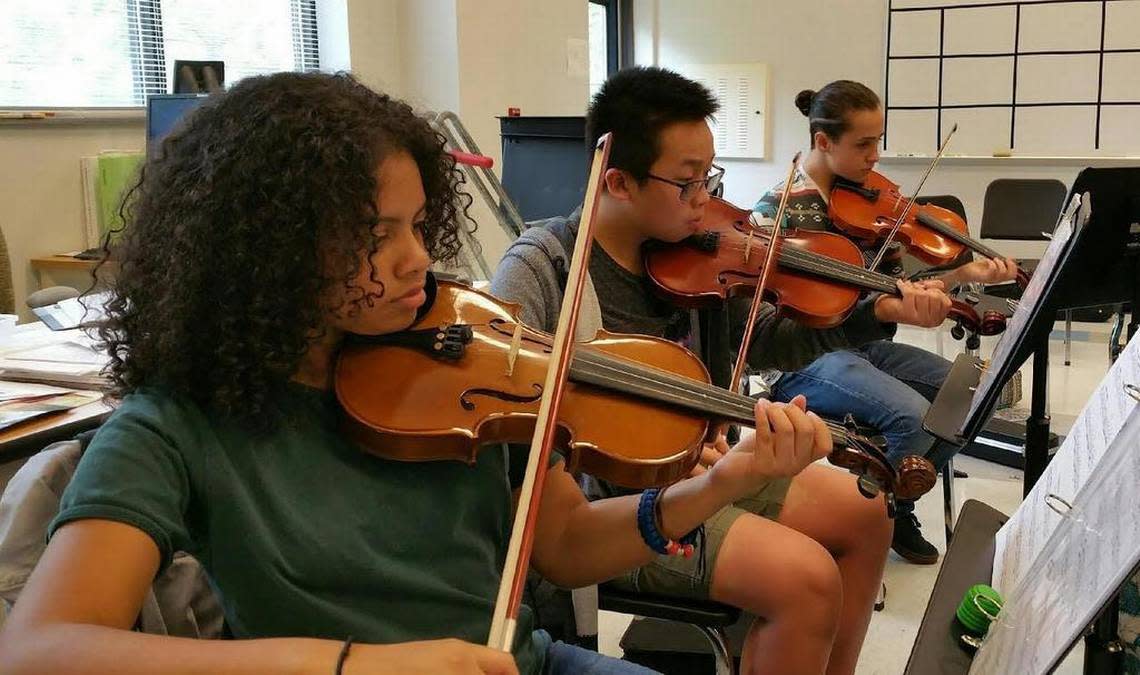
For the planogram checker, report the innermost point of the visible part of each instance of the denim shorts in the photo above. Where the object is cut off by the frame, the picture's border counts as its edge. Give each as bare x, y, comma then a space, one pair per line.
564, 659
678, 576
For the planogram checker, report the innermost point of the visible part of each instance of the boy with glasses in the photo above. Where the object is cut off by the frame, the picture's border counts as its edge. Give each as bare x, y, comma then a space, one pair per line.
805, 554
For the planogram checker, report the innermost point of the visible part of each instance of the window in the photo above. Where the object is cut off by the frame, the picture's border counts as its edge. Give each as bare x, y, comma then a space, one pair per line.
95, 53
611, 39
599, 44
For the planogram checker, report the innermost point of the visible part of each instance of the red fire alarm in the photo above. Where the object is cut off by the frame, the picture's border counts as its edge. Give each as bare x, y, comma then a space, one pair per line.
514, 112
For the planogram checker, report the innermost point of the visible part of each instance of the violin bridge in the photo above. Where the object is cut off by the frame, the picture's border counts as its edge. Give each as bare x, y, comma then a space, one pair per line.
513, 353
748, 245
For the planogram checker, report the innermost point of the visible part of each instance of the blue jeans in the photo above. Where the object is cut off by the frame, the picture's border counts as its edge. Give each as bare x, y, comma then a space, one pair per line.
564, 659
883, 384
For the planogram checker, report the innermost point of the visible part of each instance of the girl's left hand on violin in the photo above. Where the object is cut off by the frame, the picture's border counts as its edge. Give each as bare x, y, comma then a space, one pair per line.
920, 303
710, 454
987, 271
787, 439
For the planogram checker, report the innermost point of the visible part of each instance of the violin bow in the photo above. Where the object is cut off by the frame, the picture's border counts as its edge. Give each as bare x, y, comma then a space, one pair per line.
769, 263
910, 203
504, 620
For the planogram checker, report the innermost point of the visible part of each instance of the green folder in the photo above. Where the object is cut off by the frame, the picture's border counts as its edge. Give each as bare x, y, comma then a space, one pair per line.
116, 175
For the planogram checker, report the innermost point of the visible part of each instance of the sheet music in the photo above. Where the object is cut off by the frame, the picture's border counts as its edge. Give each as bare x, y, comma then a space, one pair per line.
1022, 538
1090, 552
1026, 307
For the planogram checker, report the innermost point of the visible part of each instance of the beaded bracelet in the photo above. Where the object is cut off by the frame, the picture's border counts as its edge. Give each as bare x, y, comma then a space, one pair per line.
649, 525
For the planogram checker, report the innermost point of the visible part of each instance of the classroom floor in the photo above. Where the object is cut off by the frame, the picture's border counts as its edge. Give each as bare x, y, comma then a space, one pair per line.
892, 631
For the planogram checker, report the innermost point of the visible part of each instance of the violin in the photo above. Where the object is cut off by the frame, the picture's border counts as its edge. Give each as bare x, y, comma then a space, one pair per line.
868, 212
636, 410
818, 280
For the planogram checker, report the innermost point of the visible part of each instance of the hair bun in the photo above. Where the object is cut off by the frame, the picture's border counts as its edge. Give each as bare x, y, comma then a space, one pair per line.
803, 101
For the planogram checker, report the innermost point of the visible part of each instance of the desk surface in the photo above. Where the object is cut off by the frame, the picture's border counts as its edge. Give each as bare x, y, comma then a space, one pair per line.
32, 436
62, 262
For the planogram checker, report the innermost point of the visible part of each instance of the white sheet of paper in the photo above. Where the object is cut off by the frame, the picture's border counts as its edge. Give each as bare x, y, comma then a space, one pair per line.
1025, 307
10, 391
1088, 555
1022, 538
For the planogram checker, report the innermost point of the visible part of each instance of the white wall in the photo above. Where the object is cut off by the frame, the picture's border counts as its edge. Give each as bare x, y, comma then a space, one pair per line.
375, 43
41, 197
477, 58
514, 53
808, 43
429, 67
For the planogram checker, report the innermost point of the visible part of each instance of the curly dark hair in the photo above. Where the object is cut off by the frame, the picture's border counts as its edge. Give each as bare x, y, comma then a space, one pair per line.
636, 104
259, 203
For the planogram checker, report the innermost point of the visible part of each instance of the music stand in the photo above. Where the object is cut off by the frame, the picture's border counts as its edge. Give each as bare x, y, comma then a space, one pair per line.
1093, 268
971, 391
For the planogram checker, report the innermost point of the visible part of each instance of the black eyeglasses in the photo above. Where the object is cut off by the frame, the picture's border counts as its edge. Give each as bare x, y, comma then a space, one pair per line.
689, 188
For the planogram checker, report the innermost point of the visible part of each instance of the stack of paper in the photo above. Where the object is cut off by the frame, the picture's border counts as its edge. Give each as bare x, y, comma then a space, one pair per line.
20, 402
67, 358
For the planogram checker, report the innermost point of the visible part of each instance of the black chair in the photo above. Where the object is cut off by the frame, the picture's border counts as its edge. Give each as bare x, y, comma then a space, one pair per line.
1025, 209
710, 618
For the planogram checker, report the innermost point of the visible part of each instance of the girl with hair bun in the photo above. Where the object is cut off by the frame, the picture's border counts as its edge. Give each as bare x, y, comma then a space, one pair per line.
885, 384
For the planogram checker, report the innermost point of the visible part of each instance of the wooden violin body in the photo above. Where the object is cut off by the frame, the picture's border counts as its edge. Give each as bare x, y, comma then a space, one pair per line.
868, 212
713, 267
408, 402
636, 409
819, 279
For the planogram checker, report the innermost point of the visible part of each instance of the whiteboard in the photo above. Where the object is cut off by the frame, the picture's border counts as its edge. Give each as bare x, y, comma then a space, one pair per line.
739, 127
1038, 77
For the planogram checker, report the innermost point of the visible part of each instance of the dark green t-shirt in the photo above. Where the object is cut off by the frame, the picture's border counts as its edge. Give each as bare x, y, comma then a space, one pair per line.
303, 534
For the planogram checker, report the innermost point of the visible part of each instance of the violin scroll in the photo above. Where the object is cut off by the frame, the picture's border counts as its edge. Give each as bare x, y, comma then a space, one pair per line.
864, 458
916, 477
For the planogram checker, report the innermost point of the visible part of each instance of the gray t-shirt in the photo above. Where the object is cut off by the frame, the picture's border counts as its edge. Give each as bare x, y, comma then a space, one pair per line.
630, 306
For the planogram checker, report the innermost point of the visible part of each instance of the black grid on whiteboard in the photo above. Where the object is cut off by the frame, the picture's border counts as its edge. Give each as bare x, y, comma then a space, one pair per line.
1016, 54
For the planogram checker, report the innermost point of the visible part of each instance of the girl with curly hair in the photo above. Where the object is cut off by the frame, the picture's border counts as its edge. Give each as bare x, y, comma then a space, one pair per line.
279, 217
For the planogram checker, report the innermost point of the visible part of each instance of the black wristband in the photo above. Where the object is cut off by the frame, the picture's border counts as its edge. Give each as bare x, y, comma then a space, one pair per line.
343, 656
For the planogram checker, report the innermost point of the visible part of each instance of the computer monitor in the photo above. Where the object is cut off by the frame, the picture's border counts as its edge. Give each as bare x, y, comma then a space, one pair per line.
163, 112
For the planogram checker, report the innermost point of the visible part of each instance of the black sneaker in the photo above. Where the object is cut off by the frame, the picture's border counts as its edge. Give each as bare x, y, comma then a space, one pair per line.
909, 543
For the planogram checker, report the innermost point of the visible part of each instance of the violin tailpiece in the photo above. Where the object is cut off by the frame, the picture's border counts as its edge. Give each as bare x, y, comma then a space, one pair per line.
706, 242
442, 342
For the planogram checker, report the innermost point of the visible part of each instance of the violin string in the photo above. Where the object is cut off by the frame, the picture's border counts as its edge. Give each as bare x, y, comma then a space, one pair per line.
792, 251
946, 230
741, 411
738, 404
829, 267
815, 262
684, 391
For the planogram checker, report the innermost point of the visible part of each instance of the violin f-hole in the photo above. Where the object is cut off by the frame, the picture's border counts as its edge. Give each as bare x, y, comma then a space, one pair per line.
468, 404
